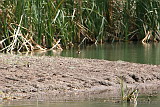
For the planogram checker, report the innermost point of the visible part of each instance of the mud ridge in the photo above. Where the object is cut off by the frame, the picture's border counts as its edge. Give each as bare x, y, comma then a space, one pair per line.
60, 78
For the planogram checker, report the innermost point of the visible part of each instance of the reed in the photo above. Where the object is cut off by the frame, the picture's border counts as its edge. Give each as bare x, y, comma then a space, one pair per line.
128, 94
46, 23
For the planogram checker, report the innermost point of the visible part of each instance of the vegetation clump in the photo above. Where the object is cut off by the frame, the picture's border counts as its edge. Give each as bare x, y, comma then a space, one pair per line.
128, 95
27, 25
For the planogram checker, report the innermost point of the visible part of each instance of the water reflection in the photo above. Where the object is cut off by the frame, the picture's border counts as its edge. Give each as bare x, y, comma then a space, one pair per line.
131, 52
80, 104
142, 101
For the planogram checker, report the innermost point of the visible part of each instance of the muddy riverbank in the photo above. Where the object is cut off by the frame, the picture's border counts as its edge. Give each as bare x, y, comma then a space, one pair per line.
59, 78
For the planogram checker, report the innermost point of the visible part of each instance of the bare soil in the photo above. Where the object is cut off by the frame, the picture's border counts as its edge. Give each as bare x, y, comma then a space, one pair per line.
60, 78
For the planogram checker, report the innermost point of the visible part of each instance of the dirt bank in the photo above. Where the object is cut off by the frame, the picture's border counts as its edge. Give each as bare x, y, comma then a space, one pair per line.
59, 78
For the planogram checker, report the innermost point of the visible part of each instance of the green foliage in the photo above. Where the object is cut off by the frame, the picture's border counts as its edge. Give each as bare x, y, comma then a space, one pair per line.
45, 22
128, 95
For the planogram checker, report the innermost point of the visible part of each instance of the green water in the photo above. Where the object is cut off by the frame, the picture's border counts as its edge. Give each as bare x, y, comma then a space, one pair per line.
131, 52
152, 103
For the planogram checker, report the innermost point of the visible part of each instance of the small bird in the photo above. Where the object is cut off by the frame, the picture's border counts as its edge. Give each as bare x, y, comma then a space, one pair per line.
78, 52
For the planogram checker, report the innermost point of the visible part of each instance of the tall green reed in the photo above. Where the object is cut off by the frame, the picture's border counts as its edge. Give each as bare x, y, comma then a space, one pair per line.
148, 19
46, 22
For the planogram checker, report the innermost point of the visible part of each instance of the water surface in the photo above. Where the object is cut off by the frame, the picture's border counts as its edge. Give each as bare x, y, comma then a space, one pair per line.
131, 52
152, 103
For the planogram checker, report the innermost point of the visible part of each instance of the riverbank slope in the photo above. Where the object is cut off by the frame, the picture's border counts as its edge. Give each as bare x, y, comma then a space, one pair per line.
60, 78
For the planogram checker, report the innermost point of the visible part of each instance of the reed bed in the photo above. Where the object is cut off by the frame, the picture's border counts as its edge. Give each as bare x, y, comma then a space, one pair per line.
27, 25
